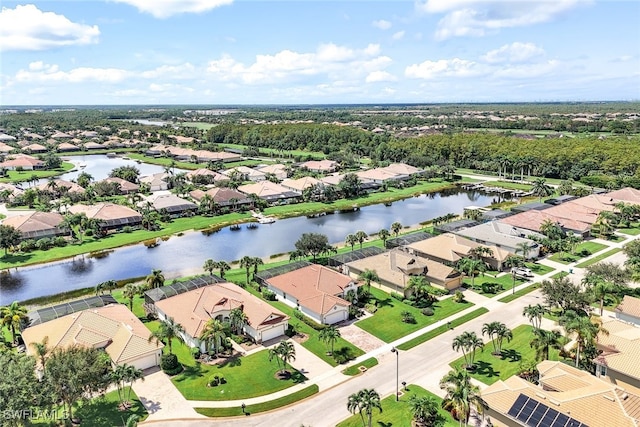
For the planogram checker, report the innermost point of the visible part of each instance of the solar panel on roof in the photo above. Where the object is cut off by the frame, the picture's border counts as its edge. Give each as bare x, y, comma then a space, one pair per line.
527, 410
548, 419
561, 421
573, 423
537, 415
517, 405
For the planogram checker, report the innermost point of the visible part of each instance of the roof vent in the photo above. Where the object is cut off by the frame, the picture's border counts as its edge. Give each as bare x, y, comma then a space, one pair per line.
624, 396
541, 396
611, 398
555, 402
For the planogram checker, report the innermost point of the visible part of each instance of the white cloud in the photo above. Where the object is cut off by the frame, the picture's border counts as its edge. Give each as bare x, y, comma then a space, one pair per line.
513, 53
398, 36
166, 8
381, 24
183, 71
42, 73
444, 68
329, 59
28, 28
526, 71
380, 76
480, 17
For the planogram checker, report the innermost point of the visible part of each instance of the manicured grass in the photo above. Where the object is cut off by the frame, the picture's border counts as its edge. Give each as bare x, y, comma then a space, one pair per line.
632, 230
565, 258
510, 185
279, 153
101, 412
490, 369
355, 369
592, 247
399, 413
505, 280
387, 323
442, 329
21, 176
520, 293
540, 269
260, 407
313, 343
560, 275
599, 258
248, 376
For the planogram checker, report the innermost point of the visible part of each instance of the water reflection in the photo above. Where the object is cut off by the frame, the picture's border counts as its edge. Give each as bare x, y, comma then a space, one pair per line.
186, 254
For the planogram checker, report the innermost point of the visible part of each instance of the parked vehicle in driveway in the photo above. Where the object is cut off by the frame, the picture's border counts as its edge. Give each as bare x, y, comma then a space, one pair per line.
522, 272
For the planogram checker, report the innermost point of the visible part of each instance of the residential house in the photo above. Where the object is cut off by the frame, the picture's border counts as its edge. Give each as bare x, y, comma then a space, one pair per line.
321, 166
37, 225
403, 170
9, 191
224, 197
110, 215
533, 219
628, 310
5, 137
627, 195
317, 291
395, 268
4, 148
22, 161
193, 309
113, 328
60, 186
449, 248
300, 184
278, 170
61, 135
126, 187
245, 174
93, 146
156, 182
175, 206
565, 396
205, 176
270, 192
620, 352
66, 146
35, 148
504, 236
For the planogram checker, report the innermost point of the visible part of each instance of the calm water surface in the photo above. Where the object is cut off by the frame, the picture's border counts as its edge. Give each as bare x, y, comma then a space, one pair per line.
184, 254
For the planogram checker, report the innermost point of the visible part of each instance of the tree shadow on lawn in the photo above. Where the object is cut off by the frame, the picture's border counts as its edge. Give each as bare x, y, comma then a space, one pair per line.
485, 369
105, 413
231, 362
387, 302
190, 372
511, 355
15, 259
297, 377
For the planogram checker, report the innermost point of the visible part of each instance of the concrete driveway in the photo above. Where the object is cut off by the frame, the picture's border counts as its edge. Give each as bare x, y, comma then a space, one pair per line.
161, 398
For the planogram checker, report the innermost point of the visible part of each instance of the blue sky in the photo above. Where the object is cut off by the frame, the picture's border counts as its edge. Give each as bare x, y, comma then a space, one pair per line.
314, 52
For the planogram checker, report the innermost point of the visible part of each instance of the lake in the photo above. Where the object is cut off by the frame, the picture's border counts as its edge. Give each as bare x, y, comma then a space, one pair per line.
182, 255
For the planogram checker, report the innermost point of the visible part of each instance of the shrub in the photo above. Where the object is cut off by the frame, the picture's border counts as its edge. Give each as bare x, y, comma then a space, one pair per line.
44, 243
315, 325
269, 295
458, 297
371, 308
408, 317
170, 365
214, 381
396, 295
428, 311
343, 355
27, 245
195, 352
491, 287
60, 241
127, 229
408, 302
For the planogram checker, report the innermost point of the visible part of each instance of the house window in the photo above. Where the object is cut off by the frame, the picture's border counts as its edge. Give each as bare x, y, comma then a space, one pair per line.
602, 371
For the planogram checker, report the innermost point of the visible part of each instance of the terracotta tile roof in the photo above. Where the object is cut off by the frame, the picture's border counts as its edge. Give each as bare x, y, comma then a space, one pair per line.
276, 169
629, 306
71, 186
36, 221
251, 174
597, 404
107, 212
206, 172
267, 190
402, 169
113, 327
21, 160
35, 147
194, 308
4, 148
300, 184
65, 146
170, 202
531, 220
125, 185
320, 165
314, 286
221, 195
621, 347
628, 194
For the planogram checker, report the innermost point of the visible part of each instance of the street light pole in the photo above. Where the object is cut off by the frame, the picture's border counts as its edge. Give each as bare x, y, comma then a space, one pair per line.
395, 350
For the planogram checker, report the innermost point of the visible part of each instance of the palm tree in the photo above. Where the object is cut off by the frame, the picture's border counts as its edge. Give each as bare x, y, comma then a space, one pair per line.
13, 315
396, 227
601, 290
41, 349
214, 333
329, 335
246, 262
129, 292
238, 319
384, 235
208, 266
468, 342
512, 262
256, 261
364, 402
167, 331
285, 351
543, 341
541, 188
369, 276
534, 313
361, 236
421, 289
524, 249
351, 240
461, 395
222, 267
585, 328
425, 412
155, 279
497, 332
470, 266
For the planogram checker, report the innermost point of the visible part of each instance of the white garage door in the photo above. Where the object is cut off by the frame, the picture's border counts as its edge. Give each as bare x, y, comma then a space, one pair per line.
336, 316
272, 333
146, 362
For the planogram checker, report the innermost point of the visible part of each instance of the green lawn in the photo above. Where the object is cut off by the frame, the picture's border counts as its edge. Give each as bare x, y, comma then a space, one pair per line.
398, 414
442, 329
248, 376
598, 258
520, 293
236, 411
490, 369
387, 325
100, 412
355, 368
505, 280
540, 269
279, 153
20, 176
632, 230
568, 258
